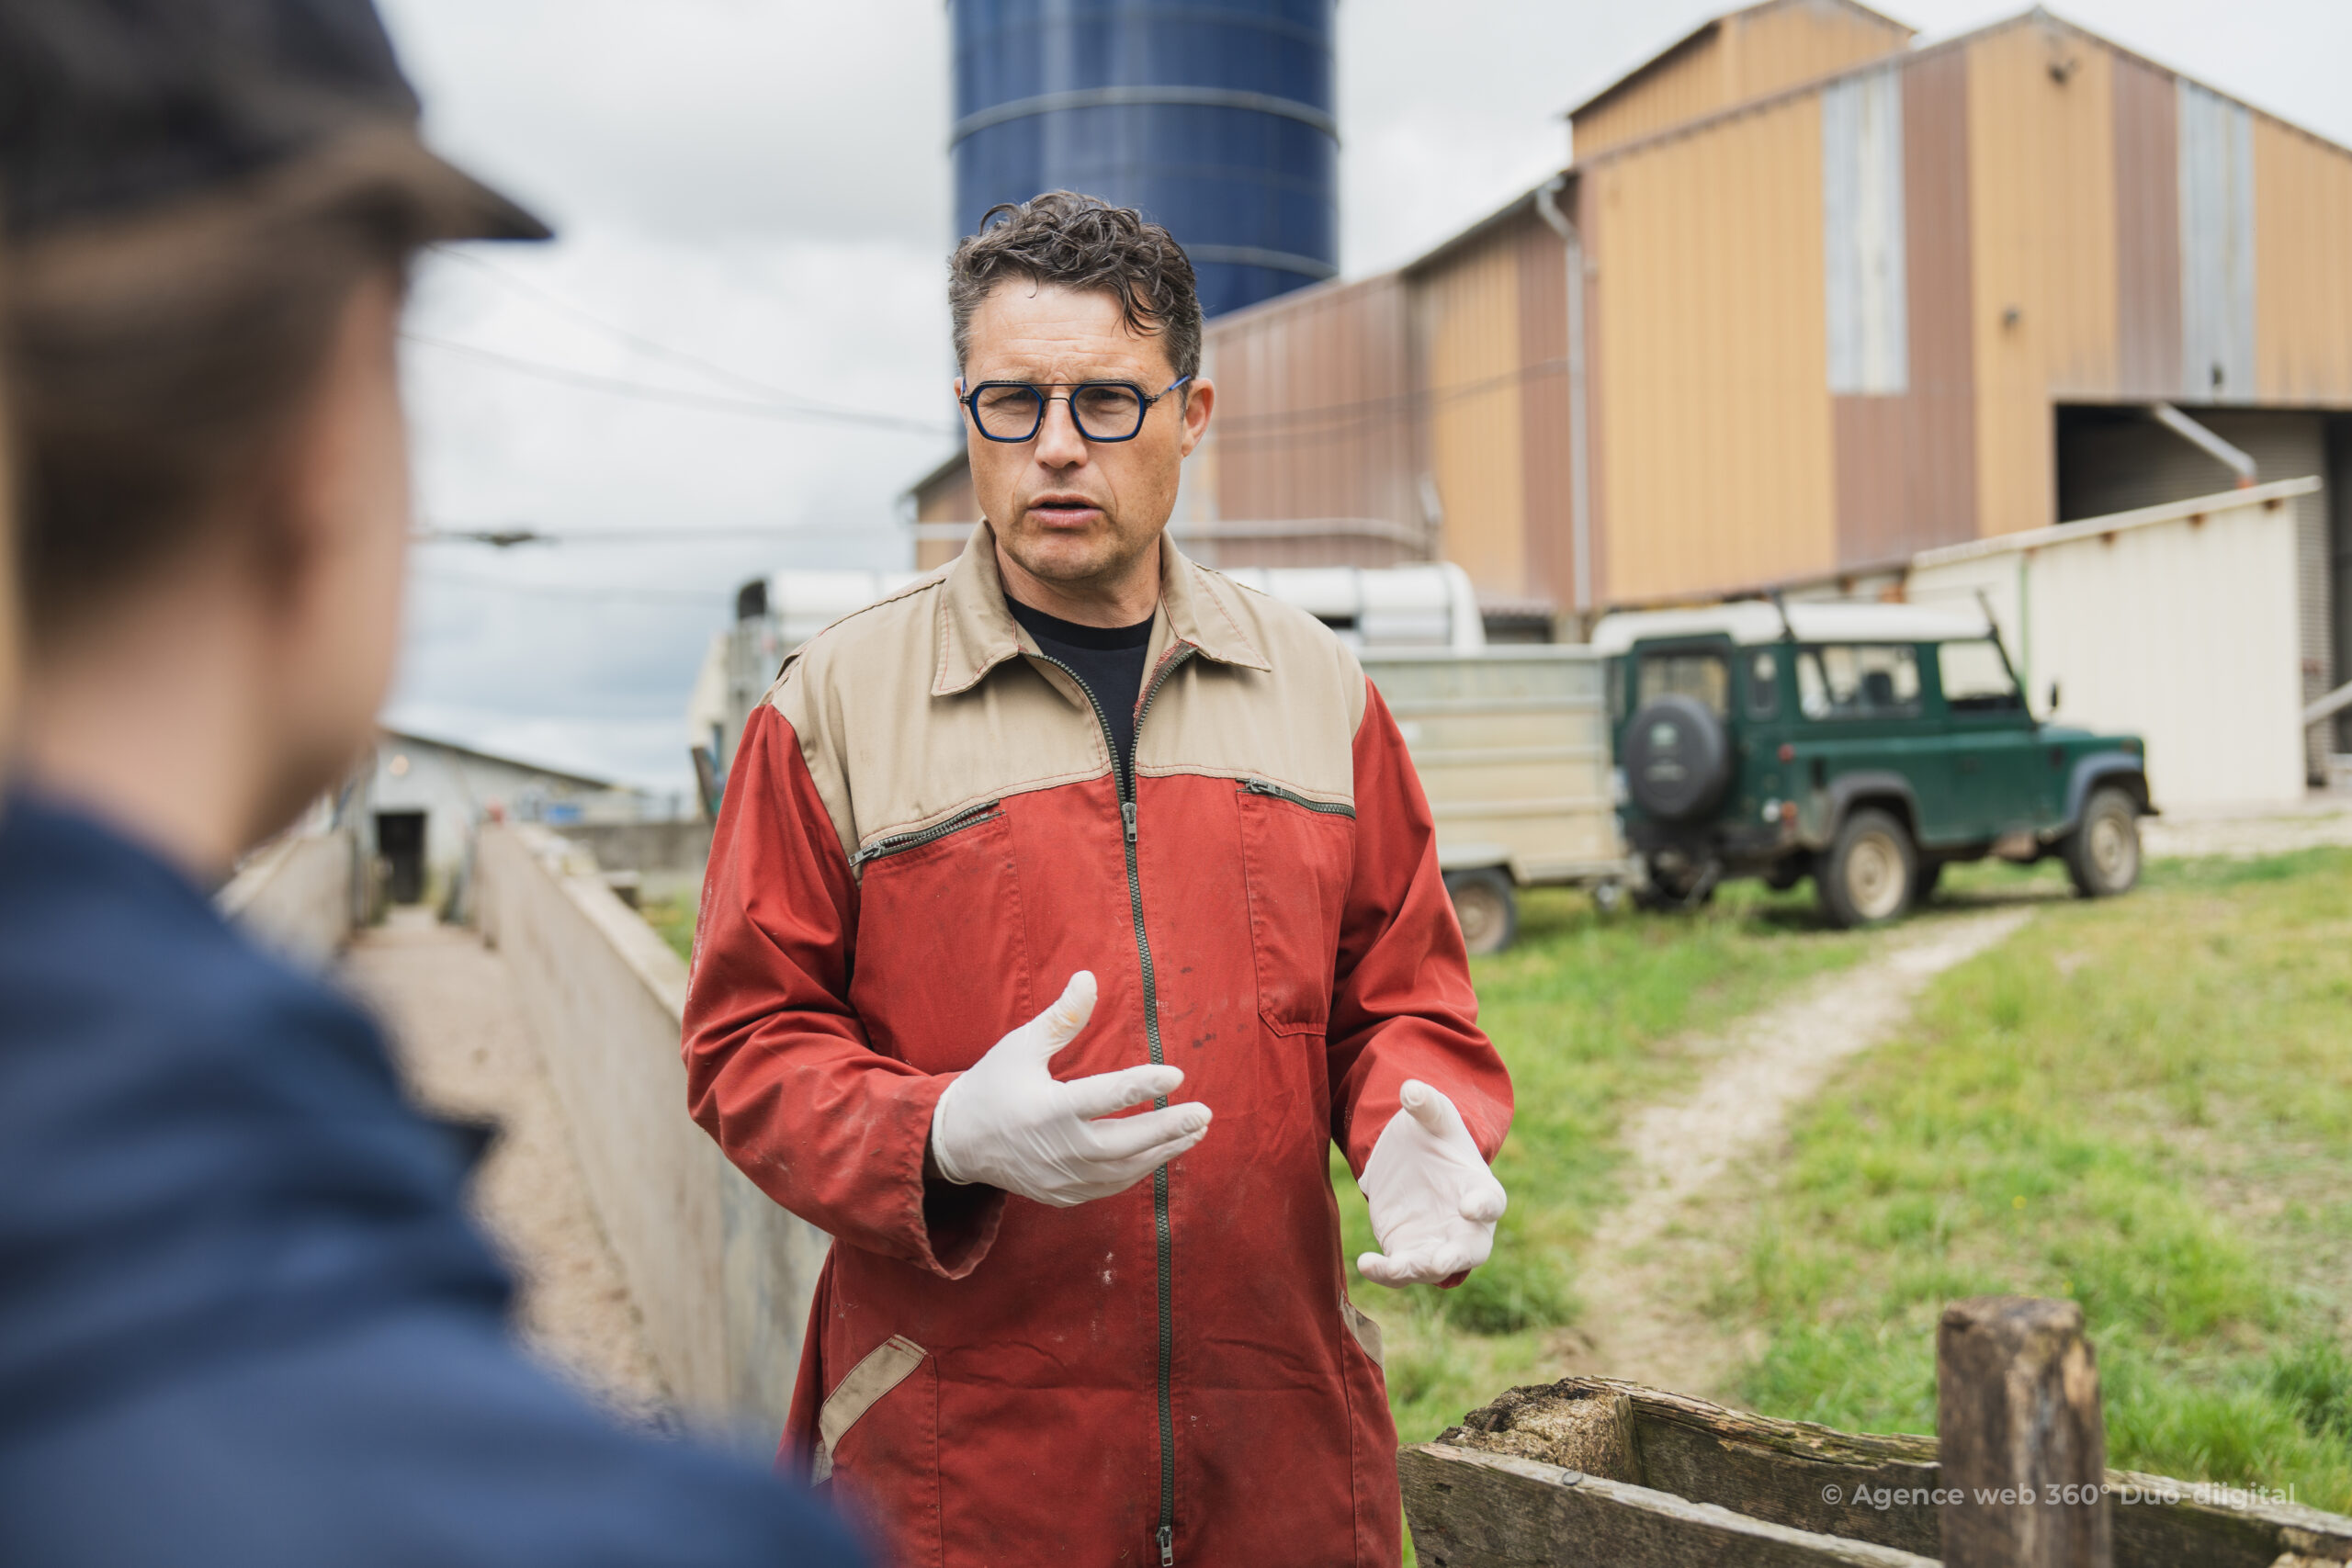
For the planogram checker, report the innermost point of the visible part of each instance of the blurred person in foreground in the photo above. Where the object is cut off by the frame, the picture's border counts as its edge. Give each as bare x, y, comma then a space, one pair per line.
1073, 765
244, 1318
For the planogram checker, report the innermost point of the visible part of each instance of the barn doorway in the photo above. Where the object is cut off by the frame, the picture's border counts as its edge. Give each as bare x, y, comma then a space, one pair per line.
399, 838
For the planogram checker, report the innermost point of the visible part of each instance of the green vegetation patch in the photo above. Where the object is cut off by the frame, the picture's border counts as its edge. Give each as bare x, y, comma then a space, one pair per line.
674, 921
2144, 1104
1583, 1009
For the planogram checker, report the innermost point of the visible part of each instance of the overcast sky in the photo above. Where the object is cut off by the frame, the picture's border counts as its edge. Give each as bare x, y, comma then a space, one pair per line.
763, 186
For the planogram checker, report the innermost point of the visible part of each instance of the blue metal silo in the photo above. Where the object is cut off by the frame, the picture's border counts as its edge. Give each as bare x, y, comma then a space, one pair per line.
1212, 117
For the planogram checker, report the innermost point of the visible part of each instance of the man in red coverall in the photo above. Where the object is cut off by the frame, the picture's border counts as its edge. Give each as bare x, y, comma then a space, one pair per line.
1075, 765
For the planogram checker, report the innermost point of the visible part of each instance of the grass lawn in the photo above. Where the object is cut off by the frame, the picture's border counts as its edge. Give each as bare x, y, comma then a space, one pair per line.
674, 919
1582, 1011
2144, 1104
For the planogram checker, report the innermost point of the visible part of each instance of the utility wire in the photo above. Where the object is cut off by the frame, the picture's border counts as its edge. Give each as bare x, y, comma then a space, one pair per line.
702, 599
505, 537
635, 340
708, 401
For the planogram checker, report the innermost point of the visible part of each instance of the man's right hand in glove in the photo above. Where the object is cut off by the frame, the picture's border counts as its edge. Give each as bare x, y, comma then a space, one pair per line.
1009, 1122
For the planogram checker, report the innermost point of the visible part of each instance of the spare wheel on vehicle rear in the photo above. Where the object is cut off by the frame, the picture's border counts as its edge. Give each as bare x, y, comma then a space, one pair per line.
1678, 759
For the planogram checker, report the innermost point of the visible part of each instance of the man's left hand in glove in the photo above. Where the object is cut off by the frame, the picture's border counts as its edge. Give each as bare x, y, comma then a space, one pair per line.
1435, 1202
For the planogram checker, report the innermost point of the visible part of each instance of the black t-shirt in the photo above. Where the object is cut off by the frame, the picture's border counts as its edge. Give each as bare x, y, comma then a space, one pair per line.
1108, 659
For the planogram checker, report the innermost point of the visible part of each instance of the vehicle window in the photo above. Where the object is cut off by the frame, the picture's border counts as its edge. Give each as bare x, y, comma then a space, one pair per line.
1616, 681
1858, 681
1704, 676
1763, 685
1976, 679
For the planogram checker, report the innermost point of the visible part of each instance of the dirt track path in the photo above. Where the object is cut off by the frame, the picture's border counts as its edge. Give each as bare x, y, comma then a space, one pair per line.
1689, 1162
466, 1049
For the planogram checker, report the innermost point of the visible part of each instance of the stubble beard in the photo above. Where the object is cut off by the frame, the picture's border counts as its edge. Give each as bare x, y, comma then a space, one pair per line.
1105, 555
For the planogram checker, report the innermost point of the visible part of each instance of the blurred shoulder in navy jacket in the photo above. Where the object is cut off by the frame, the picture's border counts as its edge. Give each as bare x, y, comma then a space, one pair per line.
243, 1317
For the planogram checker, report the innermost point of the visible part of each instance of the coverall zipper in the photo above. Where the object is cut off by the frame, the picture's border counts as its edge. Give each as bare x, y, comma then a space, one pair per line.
899, 843
1123, 777
1329, 808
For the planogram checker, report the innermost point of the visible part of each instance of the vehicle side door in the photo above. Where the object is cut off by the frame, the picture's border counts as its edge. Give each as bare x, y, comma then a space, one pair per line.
1865, 712
1766, 783
1999, 777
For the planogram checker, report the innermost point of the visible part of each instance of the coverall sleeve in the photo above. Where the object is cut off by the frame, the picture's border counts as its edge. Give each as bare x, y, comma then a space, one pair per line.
1401, 1003
778, 1068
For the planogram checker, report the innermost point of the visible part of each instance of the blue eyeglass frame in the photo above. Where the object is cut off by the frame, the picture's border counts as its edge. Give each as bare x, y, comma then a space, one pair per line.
1069, 390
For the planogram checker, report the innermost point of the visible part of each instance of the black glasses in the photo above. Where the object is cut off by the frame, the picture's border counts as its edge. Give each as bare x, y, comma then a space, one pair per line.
1103, 410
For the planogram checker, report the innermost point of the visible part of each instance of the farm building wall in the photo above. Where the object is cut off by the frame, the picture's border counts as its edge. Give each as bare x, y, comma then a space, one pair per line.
1731, 60
2041, 149
1467, 329
1823, 328
1711, 371
2302, 296
2339, 485
1905, 444
942, 497
1547, 571
1315, 415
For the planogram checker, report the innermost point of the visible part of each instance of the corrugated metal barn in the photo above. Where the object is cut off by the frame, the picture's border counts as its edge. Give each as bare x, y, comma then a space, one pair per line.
1839, 298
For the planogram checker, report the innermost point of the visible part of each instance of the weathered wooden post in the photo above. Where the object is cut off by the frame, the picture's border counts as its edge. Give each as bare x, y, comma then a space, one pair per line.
2023, 1445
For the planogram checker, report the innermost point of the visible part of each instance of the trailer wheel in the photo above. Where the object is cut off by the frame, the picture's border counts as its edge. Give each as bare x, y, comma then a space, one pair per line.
1486, 906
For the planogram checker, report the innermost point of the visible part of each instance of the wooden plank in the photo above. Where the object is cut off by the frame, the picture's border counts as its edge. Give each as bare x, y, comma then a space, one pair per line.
1779, 1472
1484, 1510
2162, 1523
2023, 1441
1796, 1473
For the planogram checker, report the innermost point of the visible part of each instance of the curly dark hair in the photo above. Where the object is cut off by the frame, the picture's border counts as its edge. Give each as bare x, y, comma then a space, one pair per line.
1081, 241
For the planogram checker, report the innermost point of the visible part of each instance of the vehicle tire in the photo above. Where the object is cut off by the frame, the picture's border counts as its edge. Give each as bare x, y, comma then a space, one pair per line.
1872, 873
1931, 875
1785, 873
1678, 759
1486, 906
2103, 851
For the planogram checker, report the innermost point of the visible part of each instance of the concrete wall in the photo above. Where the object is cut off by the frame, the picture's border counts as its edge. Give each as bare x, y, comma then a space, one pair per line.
297, 896
721, 1275
2177, 622
648, 847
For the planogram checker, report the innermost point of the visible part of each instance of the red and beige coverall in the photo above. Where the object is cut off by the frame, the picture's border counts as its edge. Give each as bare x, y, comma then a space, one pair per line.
925, 834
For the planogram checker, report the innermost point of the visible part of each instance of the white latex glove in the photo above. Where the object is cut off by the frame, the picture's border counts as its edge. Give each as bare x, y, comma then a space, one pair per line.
1009, 1122
1435, 1202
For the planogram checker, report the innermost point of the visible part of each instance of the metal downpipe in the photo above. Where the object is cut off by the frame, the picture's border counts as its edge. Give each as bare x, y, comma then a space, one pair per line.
1579, 475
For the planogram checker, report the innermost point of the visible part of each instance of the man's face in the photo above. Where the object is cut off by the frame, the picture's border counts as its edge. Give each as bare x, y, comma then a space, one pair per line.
1072, 512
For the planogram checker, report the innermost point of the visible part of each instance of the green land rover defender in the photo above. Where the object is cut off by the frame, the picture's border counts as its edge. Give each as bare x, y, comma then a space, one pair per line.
1865, 746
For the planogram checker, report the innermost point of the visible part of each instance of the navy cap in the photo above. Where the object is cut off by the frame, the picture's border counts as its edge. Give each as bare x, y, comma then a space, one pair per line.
109, 108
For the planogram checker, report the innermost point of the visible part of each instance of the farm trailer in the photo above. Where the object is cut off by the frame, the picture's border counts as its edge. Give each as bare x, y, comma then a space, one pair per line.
1511, 743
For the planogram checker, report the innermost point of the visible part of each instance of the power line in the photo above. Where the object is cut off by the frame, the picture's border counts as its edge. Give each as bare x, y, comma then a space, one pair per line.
638, 340
702, 599
634, 339
507, 536
708, 401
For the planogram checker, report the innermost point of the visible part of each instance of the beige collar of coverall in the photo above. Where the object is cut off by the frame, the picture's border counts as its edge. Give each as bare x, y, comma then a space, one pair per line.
977, 633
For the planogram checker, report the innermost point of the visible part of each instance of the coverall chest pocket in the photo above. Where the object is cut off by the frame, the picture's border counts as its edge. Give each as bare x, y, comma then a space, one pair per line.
941, 967
1297, 854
